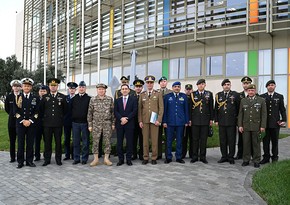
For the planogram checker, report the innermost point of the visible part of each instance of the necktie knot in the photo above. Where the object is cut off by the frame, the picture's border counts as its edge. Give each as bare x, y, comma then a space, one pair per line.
26, 96
149, 94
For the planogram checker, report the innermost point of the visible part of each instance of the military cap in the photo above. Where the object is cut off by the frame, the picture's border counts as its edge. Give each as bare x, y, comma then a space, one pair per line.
53, 81
270, 82
246, 79
251, 86
72, 85
188, 86
225, 81
161, 79
200, 81
82, 83
28, 81
176, 83
138, 82
149, 78
101, 85
15, 83
124, 78
43, 87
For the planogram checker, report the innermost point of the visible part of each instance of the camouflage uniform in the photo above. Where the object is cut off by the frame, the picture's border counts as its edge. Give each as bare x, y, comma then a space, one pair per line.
101, 118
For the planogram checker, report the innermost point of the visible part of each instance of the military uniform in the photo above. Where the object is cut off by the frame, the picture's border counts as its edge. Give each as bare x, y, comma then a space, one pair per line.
148, 103
275, 109
202, 113
67, 128
9, 103
175, 117
164, 92
101, 118
226, 114
26, 107
118, 93
252, 117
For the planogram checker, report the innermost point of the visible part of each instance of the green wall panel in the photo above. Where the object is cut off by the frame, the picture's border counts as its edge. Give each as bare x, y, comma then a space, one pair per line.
165, 68
253, 63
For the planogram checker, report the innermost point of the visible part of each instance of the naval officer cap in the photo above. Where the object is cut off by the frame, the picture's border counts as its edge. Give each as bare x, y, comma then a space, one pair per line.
251, 86
200, 81
177, 83
27, 81
162, 79
101, 85
270, 82
225, 81
53, 81
138, 82
188, 86
246, 79
72, 85
124, 79
16, 83
149, 78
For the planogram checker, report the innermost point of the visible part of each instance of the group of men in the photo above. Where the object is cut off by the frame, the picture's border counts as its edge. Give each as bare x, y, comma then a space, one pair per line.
143, 118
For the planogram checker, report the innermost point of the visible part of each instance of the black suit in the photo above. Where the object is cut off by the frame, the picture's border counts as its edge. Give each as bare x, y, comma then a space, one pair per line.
138, 137
130, 112
240, 139
9, 103
53, 109
226, 114
201, 113
26, 109
276, 113
187, 136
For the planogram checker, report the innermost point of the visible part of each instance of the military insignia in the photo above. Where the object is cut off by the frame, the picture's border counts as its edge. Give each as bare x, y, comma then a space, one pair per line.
47, 98
36, 116
59, 103
154, 96
170, 99
181, 99
33, 102
17, 115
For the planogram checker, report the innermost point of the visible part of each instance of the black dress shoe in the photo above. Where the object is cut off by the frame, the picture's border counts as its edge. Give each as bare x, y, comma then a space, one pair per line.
231, 161
180, 161
129, 163
134, 157
167, 161
264, 161
37, 159
45, 164
66, 158
20, 165
84, 162
120, 163
30, 164
256, 165
141, 158
59, 163
153, 162
204, 161
12, 160
145, 162
222, 160
159, 157
245, 164
238, 157
75, 162
193, 160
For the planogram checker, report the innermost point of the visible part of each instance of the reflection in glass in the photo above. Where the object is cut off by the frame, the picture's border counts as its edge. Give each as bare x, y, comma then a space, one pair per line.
214, 65
264, 62
236, 64
281, 61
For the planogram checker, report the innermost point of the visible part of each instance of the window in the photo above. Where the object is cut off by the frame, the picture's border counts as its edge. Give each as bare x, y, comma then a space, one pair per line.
264, 62
281, 61
262, 82
117, 71
126, 71
87, 78
177, 68
140, 71
281, 81
155, 69
94, 78
214, 65
193, 67
104, 76
236, 64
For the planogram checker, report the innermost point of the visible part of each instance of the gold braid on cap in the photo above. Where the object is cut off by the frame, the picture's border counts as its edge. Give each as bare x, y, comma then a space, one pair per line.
18, 101
221, 104
196, 104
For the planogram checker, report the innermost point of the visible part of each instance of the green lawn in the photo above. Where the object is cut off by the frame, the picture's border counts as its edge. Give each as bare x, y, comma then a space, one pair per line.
4, 139
272, 183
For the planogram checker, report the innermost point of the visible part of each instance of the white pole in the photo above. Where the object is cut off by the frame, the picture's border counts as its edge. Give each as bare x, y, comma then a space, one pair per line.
55, 39
67, 42
44, 41
83, 39
99, 40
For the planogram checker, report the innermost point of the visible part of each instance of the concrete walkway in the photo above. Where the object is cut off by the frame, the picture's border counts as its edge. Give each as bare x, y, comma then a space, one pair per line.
151, 184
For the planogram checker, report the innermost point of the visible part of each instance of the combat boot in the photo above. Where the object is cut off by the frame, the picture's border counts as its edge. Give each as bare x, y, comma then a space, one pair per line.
95, 162
107, 161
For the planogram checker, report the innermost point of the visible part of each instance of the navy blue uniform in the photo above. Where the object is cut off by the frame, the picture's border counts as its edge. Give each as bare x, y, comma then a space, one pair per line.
175, 116
9, 103
26, 108
67, 127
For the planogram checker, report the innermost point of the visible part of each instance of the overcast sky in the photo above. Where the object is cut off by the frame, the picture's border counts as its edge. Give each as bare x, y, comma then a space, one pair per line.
8, 14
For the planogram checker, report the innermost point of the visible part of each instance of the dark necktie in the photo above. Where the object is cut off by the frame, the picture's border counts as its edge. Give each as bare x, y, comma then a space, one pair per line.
53, 95
149, 94
163, 92
176, 96
201, 94
270, 96
26, 96
226, 95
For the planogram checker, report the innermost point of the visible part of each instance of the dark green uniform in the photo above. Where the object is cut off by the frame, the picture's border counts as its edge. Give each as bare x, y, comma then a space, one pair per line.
252, 117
